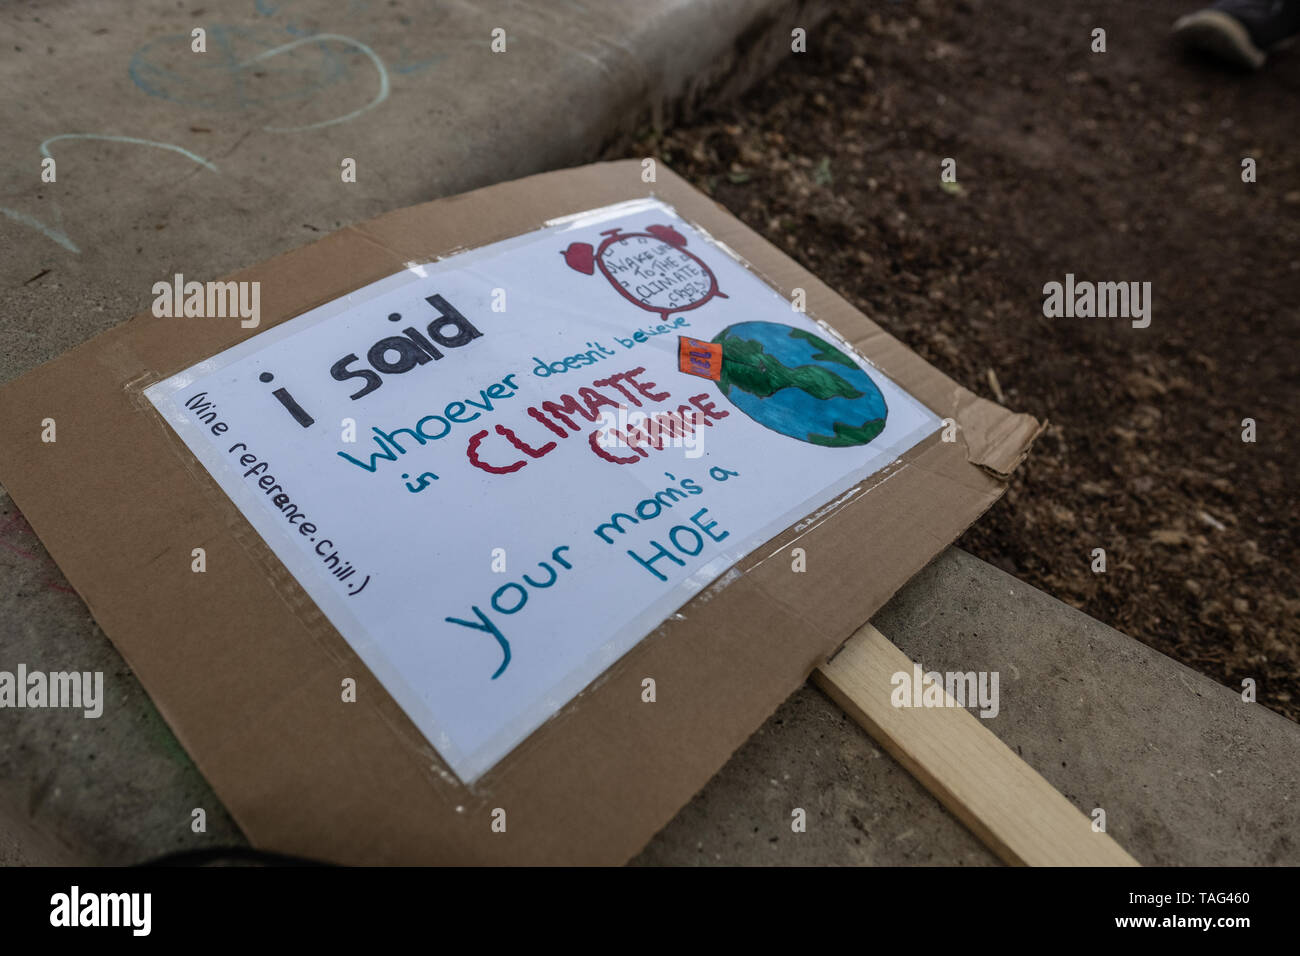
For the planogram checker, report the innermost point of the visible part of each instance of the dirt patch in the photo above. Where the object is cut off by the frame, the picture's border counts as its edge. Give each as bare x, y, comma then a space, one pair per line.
1116, 166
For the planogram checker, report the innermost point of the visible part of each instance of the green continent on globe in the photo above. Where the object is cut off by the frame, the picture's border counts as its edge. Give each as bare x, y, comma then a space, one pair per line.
820, 352
747, 366
846, 435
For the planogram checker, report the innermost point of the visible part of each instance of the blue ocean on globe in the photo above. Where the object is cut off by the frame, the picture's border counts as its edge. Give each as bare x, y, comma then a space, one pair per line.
796, 383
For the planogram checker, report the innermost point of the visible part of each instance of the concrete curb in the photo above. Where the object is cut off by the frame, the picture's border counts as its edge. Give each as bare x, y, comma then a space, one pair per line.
1187, 773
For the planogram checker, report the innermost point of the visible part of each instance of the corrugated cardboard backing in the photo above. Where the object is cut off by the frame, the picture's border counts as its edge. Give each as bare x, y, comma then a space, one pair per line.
248, 672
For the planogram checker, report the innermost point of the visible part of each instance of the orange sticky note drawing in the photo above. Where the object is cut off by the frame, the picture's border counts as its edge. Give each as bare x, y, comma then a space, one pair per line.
697, 357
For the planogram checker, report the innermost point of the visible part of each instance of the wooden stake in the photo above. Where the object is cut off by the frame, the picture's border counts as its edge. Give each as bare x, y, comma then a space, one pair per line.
1005, 802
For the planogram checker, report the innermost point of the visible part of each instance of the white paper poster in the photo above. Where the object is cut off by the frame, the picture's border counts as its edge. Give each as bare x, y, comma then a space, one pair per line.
497, 473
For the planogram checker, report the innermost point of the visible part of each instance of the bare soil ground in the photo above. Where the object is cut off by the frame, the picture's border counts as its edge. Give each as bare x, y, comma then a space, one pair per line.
1123, 165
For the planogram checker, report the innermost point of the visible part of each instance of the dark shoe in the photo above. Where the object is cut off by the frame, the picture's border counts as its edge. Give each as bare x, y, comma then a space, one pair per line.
1240, 31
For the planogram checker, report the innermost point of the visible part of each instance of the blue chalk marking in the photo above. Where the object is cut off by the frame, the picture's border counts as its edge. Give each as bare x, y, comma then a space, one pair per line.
127, 139
374, 58
56, 235
217, 81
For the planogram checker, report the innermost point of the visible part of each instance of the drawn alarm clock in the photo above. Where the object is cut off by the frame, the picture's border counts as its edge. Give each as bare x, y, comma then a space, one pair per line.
652, 269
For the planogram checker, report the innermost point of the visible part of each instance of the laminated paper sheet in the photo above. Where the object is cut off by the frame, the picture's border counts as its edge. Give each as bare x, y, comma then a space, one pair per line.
497, 472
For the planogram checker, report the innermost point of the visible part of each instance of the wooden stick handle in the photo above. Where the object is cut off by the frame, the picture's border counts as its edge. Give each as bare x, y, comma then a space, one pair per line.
1005, 802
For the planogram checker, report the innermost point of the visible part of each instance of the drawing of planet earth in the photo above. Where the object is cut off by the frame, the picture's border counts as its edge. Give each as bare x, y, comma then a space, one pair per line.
798, 384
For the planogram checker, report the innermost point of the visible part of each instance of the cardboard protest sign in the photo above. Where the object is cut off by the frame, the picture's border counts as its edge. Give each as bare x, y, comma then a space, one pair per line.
550, 469
494, 462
